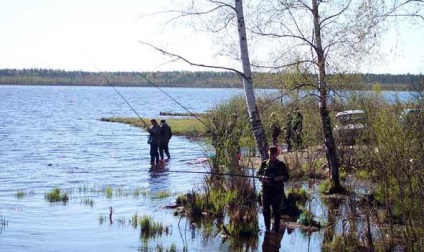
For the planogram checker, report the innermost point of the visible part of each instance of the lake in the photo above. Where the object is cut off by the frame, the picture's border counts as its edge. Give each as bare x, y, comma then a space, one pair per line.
52, 136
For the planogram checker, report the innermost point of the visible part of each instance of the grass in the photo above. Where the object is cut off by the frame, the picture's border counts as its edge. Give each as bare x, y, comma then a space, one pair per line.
190, 127
109, 192
3, 221
149, 227
162, 195
102, 219
87, 202
20, 194
57, 196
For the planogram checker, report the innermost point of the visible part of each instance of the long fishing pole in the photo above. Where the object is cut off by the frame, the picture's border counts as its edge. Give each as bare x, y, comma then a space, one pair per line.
123, 98
156, 86
217, 173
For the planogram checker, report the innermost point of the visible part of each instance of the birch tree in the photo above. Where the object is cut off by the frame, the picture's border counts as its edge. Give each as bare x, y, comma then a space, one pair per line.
225, 19
322, 39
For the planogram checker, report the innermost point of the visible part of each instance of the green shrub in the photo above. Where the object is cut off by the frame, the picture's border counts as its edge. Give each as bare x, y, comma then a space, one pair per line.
345, 243
56, 196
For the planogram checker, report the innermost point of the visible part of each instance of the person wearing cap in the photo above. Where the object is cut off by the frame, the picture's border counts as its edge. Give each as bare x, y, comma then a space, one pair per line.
272, 173
165, 135
154, 131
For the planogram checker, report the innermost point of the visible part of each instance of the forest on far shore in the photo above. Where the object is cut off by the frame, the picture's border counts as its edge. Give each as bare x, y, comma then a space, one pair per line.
204, 79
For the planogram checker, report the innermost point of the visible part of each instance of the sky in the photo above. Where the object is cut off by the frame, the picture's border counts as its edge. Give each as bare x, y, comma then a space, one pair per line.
105, 35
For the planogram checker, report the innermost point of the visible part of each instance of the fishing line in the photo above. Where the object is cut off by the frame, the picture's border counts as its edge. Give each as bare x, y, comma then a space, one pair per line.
123, 98
217, 173
156, 86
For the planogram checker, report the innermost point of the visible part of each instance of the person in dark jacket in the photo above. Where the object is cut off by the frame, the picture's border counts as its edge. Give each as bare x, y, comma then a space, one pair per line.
272, 173
154, 131
297, 125
289, 131
165, 135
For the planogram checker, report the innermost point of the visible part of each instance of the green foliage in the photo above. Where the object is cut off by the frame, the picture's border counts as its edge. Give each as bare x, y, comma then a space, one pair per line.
394, 157
363, 174
327, 187
300, 195
346, 243
56, 196
306, 218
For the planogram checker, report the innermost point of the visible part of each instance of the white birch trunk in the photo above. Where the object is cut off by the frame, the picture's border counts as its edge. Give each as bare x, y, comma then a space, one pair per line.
257, 128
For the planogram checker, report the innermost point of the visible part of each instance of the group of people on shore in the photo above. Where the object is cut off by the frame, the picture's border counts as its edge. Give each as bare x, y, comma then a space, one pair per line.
159, 136
292, 130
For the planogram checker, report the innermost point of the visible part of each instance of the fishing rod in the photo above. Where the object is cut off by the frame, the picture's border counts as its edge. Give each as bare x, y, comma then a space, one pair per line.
123, 98
160, 89
217, 173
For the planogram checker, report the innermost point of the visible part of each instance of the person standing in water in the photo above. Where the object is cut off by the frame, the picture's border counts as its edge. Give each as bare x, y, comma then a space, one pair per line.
272, 173
165, 135
154, 132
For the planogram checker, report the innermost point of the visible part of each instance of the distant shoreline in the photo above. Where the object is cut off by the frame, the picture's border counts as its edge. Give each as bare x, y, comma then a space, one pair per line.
181, 79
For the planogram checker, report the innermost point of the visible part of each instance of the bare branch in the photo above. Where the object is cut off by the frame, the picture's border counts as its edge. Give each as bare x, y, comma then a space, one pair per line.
335, 15
178, 57
281, 66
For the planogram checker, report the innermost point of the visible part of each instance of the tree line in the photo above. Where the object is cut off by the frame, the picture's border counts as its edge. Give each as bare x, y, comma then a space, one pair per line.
204, 79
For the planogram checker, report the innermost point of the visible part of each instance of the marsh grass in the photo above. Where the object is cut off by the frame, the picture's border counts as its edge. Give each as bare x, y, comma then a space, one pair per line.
348, 242
20, 194
190, 127
87, 202
57, 196
139, 191
162, 195
149, 227
102, 219
109, 192
3, 221
134, 221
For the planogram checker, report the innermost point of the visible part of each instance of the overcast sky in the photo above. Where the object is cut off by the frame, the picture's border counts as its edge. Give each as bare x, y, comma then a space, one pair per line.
104, 35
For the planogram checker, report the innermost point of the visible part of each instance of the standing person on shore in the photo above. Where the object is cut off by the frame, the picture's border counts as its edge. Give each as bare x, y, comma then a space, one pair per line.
289, 132
297, 126
272, 173
165, 135
154, 131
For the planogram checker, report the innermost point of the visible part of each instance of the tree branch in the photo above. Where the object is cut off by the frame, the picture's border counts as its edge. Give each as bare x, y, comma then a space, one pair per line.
178, 57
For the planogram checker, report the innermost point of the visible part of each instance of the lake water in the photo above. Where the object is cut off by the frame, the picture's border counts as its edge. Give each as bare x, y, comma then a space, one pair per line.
52, 137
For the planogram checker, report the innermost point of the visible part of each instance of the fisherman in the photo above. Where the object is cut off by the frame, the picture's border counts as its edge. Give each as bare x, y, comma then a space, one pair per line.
154, 131
165, 135
297, 125
289, 131
272, 173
